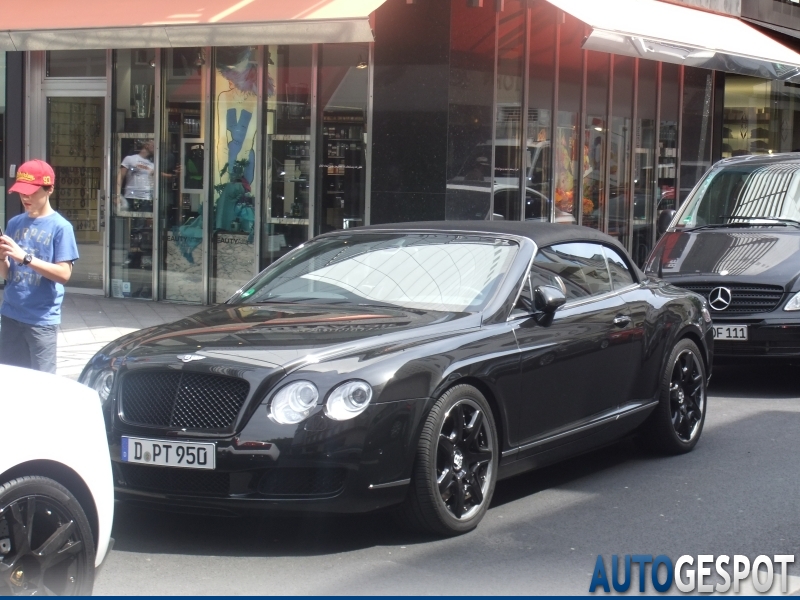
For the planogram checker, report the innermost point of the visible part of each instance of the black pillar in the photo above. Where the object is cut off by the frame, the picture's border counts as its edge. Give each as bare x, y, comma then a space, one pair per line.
410, 107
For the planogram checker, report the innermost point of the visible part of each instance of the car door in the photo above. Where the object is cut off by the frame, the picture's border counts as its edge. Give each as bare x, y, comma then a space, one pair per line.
570, 370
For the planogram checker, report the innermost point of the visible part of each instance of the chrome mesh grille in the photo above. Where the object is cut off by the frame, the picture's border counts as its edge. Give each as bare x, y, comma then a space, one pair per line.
181, 399
744, 298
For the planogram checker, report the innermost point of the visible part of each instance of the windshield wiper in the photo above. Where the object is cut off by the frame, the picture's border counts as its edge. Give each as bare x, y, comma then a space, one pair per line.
777, 220
745, 223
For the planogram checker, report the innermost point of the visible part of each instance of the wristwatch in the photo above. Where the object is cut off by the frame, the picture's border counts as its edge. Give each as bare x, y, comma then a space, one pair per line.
26, 261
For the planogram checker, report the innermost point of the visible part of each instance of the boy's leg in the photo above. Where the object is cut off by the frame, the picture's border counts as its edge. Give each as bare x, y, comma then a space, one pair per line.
13, 345
42, 341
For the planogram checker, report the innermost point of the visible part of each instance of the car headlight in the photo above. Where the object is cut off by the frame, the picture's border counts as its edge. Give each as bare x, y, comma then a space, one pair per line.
293, 403
348, 400
103, 384
793, 303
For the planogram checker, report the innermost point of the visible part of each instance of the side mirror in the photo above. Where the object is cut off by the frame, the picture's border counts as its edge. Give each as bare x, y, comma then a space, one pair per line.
547, 299
664, 219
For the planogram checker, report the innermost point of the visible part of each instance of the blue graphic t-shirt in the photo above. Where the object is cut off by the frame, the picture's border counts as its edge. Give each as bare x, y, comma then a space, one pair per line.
29, 297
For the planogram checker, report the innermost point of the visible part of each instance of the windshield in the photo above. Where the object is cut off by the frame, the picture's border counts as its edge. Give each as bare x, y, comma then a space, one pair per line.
442, 272
744, 194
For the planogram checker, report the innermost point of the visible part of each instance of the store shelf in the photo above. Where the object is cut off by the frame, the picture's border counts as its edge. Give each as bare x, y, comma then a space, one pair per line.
287, 221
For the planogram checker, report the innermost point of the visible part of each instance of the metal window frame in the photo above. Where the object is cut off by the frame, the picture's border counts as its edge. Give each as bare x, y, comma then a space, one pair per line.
315, 140
205, 118
490, 216
656, 158
554, 114
157, 116
679, 140
368, 158
604, 212
632, 155
523, 121
259, 187
106, 237
580, 133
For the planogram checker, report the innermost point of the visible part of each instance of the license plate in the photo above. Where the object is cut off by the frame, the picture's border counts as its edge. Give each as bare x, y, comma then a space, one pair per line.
167, 453
731, 333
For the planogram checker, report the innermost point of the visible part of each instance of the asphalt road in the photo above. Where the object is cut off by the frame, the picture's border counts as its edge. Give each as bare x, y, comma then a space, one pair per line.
736, 493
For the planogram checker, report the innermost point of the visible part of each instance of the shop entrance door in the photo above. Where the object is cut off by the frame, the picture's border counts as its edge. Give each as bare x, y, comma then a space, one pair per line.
74, 148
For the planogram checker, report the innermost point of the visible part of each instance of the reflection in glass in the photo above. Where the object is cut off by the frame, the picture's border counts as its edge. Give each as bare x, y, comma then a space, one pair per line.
668, 135
2, 132
235, 110
183, 186
75, 151
619, 160
75, 63
288, 129
454, 273
508, 133
133, 174
644, 207
698, 90
341, 150
540, 108
470, 112
595, 138
570, 156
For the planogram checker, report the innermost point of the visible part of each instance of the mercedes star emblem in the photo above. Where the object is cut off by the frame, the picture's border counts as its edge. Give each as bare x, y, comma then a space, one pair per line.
720, 298
189, 357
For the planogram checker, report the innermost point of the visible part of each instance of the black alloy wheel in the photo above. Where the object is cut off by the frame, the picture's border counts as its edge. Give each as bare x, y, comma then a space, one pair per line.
675, 425
456, 466
687, 395
46, 544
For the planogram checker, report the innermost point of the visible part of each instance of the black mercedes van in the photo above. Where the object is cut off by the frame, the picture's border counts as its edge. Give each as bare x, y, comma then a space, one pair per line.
736, 241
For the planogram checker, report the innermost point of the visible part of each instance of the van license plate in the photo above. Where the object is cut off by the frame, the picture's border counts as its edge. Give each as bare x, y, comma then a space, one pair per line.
168, 453
730, 333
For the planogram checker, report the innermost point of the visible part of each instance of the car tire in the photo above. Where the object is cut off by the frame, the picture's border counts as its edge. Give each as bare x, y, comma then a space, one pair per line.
46, 543
675, 425
455, 469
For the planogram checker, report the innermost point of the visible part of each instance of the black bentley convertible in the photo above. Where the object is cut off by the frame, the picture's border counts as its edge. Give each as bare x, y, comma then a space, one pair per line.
407, 366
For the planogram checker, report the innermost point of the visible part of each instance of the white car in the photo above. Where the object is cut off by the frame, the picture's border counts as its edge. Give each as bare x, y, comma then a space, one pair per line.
56, 487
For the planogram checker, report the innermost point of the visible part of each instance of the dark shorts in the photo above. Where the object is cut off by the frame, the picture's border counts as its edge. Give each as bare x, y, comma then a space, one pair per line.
29, 346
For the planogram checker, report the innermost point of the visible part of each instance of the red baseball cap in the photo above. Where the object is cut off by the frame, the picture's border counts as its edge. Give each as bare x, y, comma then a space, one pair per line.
32, 175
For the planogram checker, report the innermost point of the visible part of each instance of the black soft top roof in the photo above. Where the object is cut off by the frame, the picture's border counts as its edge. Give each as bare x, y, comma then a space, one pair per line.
542, 233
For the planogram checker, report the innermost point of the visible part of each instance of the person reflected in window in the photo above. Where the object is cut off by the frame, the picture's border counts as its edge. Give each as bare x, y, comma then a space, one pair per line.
135, 179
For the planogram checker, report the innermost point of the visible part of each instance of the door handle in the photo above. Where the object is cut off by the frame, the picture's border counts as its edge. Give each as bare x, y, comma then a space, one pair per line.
622, 320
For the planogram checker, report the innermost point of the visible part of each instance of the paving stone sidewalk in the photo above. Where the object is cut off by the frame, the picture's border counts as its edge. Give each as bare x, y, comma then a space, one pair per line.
89, 322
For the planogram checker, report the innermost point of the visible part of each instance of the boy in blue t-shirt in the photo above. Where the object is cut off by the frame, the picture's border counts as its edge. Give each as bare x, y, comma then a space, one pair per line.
36, 257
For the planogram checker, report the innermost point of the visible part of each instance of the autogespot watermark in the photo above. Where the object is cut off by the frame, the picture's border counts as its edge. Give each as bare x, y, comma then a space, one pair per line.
703, 573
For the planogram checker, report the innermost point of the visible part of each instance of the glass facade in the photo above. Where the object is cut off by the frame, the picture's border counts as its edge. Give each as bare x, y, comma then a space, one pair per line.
183, 181
223, 159
133, 174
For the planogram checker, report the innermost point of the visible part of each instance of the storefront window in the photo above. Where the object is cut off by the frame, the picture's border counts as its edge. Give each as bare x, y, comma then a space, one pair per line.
747, 118
2, 134
470, 111
538, 161
235, 123
668, 135
75, 63
698, 103
508, 128
183, 167
644, 207
569, 152
619, 156
132, 174
342, 138
784, 120
75, 149
595, 138
287, 116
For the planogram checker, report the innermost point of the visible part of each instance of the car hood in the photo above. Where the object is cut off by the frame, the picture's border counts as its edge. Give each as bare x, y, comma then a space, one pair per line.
284, 335
764, 254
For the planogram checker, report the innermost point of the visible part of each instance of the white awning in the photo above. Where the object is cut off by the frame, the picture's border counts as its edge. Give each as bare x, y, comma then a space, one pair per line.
101, 24
681, 35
